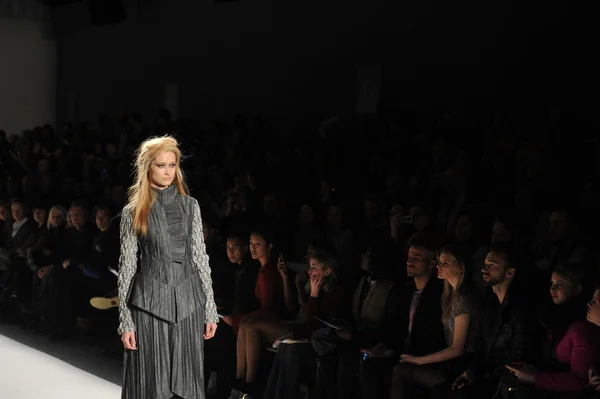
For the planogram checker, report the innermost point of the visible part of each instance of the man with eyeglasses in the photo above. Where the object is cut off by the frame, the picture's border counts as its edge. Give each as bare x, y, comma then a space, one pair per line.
422, 330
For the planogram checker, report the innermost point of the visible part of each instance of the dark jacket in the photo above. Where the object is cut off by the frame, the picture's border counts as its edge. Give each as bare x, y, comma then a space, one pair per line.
22, 236
172, 273
505, 333
376, 312
79, 249
427, 334
105, 252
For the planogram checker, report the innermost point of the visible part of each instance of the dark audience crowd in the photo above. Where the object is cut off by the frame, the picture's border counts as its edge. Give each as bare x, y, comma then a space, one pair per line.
404, 256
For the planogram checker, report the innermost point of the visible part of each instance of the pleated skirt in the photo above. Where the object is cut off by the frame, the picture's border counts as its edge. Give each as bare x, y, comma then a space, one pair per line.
169, 359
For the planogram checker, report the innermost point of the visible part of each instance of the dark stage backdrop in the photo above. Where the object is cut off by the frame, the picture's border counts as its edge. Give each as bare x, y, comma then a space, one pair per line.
287, 59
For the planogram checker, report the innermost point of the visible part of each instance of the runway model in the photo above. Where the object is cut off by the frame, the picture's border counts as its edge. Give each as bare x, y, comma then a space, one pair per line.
167, 308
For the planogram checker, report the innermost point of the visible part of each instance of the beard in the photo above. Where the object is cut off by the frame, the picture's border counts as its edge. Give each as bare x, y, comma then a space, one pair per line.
492, 281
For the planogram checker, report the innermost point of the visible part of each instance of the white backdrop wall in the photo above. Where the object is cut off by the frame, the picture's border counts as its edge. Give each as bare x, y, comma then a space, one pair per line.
27, 75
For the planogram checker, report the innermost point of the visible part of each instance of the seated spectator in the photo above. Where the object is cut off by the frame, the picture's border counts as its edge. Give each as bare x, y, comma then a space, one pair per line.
576, 351
341, 241
593, 316
434, 372
505, 327
276, 299
568, 306
44, 259
18, 277
221, 350
375, 318
422, 328
321, 296
5, 223
66, 286
38, 238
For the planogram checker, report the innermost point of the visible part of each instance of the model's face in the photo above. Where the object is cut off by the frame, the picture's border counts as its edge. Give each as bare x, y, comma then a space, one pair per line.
163, 170
236, 250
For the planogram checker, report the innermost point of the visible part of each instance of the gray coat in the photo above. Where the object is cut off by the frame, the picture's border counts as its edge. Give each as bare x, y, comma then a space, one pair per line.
147, 278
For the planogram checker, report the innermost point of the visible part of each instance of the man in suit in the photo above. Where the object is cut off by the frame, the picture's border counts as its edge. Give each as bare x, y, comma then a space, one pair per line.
421, 330
17, 277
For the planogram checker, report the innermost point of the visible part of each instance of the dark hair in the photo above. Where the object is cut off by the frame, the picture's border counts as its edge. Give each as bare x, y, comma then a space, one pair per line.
19, 201
375, 198
326, 259
210, 220
264, 233
236, 235
511, 258
567, 210
425, 242
103, 207
80, 204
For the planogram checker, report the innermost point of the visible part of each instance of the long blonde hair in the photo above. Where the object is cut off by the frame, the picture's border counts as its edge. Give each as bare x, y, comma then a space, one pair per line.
141, 196
451, 294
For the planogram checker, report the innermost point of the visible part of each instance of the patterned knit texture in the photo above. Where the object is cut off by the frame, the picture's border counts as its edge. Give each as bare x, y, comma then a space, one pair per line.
127, 269
200, 258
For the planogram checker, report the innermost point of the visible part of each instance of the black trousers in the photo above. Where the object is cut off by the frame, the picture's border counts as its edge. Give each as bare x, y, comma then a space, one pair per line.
337, 374
375, 377
18, 278
220, 356
293, 364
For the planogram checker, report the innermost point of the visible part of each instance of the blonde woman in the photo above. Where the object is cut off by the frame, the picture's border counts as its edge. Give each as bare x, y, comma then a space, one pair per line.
165, 290
434, 371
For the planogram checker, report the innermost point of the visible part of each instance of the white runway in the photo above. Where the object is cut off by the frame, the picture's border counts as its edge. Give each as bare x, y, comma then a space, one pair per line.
26, 373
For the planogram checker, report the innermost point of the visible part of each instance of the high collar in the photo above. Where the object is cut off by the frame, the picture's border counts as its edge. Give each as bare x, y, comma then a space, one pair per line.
167, 195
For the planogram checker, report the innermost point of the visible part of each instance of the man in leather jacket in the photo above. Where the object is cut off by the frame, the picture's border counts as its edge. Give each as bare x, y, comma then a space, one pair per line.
505, 329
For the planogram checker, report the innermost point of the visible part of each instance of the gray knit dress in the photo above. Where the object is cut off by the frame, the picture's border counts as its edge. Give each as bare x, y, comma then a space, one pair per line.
166, 297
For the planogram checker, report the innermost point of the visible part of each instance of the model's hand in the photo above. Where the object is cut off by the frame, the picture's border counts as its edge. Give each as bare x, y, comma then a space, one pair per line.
211, 328
128, 339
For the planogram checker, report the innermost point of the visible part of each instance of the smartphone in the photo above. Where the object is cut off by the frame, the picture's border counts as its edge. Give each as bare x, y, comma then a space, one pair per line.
365, 356
407, 219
